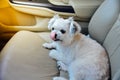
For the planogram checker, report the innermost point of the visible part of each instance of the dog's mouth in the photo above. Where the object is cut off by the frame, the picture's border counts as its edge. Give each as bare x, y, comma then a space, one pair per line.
58, 40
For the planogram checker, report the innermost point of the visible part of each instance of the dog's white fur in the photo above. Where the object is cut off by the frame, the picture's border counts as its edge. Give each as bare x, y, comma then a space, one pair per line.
82, 57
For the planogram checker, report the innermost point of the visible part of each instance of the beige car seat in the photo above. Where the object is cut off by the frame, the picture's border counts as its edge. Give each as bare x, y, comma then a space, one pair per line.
24, 58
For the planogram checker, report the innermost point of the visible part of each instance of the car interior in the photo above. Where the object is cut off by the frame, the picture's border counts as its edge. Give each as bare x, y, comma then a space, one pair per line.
23, 30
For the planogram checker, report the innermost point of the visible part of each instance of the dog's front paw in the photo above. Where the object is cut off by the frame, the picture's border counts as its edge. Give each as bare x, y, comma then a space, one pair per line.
59, 78
61, 66
48, 46
54, 54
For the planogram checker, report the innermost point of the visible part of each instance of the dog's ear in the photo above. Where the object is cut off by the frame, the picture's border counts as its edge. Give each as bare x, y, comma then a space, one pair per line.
52, 20
74, 26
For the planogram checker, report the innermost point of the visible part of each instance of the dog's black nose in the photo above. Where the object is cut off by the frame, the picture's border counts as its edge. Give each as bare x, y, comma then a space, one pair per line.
55, 36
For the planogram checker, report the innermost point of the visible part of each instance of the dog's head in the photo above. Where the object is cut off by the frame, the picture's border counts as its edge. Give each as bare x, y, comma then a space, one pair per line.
63, 30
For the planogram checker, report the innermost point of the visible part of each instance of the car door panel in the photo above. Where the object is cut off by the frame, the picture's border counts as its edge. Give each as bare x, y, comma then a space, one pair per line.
25, 16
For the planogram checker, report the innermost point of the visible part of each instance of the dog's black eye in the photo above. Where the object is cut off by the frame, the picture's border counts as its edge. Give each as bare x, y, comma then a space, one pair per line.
62, 31
52, 28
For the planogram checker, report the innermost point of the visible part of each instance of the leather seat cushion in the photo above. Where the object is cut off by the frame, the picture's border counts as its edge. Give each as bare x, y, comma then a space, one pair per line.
24, 58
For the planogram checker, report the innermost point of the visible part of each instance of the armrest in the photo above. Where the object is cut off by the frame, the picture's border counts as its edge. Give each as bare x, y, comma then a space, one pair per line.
58, 8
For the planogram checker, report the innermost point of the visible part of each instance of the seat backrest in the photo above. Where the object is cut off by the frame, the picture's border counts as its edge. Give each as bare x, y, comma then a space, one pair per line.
103, 19
112, 45
105, 28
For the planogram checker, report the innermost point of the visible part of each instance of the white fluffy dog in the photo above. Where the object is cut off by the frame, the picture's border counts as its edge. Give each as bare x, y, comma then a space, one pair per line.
82, 57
